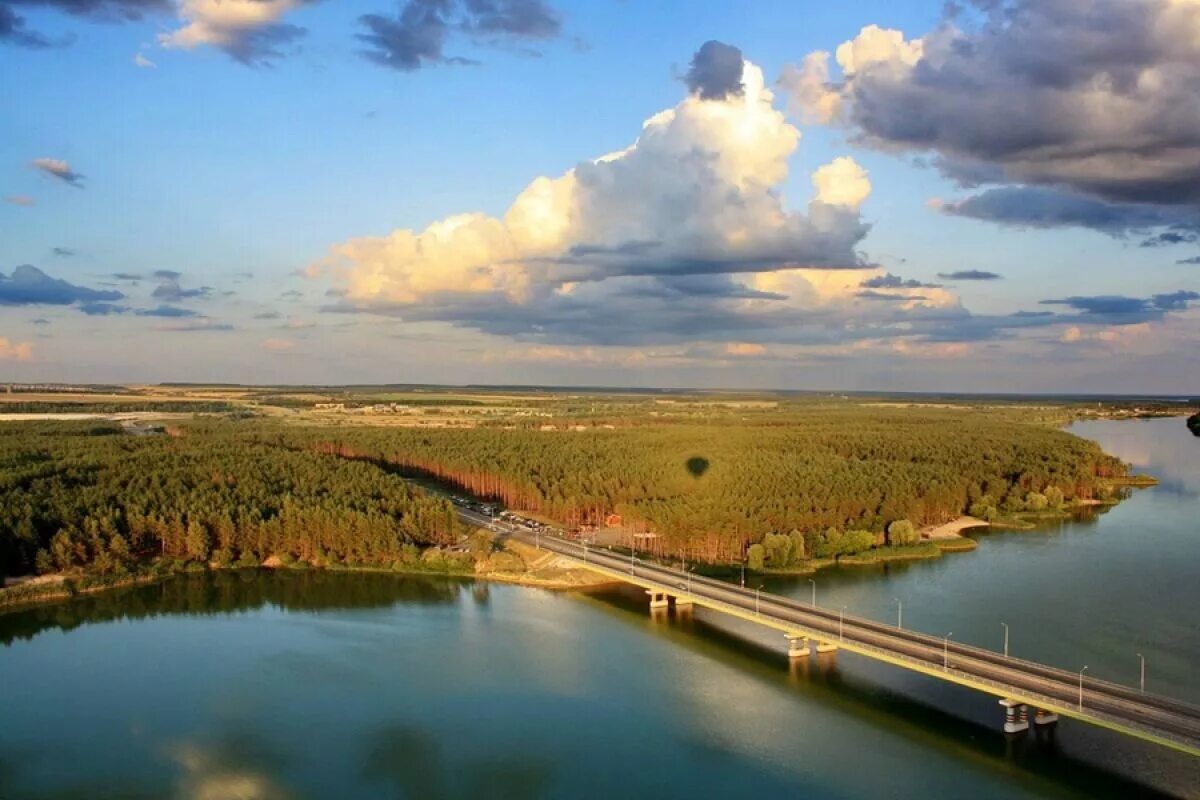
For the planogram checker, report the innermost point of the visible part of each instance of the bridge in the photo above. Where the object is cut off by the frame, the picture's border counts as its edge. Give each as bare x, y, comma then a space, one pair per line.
1030, 693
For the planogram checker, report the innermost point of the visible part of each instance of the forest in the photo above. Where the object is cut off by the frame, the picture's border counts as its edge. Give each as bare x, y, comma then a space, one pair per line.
807, 482
708, 491
76, 495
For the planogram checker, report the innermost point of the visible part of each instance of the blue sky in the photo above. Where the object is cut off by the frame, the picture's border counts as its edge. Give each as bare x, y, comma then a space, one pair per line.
278, 190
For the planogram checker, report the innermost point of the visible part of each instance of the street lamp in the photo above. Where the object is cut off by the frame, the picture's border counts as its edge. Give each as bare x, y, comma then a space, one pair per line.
814, 593
899, 612
1081, 686
1005, 624
1143, 660
946, 651
743, 574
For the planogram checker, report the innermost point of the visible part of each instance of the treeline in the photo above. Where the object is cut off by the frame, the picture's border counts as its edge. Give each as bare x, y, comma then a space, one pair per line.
709, 490
117, 407
83, 495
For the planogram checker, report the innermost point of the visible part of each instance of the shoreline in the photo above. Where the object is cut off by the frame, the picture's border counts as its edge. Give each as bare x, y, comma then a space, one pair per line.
63, 588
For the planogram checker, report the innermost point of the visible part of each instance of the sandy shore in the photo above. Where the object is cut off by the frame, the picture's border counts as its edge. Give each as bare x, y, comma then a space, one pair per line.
951, 530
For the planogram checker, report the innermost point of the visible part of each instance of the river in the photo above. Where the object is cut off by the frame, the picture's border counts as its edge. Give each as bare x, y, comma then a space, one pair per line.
309, 684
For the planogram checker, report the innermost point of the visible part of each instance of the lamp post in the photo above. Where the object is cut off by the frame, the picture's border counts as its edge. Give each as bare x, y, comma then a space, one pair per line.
757, 590
946, 651
1142, 658
1081, 686
841, 623
814, 592
899, 612
743, 574
1005, 624
585, 551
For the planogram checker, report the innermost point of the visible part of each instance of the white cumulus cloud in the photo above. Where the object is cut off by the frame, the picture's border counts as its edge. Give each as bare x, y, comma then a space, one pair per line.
697, 193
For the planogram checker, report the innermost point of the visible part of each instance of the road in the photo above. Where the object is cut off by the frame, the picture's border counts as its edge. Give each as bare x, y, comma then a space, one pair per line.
1153, 717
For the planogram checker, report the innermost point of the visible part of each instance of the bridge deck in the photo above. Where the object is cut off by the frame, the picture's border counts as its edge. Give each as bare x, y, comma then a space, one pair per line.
1154, 718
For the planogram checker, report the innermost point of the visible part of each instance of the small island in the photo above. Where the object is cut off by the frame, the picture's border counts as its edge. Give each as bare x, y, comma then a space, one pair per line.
1193, 424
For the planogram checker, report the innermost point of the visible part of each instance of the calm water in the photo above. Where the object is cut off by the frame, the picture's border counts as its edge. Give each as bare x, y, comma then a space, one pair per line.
316, 685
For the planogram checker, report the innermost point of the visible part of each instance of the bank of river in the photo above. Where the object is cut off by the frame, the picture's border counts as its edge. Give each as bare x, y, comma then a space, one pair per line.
316, 684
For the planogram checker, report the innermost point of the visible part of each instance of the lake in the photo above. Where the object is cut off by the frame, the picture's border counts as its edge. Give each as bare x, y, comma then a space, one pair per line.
310, 684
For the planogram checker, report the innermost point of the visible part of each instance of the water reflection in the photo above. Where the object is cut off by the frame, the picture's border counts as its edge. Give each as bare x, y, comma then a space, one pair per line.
412, 763
1164, 448
235, 591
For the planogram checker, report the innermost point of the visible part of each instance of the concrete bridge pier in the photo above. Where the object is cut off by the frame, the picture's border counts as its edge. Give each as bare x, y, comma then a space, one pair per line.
1016, 716
658, 599
1045, 723
826, 647
797, 646
1043, 717
683, 603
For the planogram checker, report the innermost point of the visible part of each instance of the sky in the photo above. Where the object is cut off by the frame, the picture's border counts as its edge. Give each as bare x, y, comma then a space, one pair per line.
985, 195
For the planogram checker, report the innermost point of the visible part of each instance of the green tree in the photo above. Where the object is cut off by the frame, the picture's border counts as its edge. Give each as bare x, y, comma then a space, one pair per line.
901, 533
198, 542
1054, 497
755, 556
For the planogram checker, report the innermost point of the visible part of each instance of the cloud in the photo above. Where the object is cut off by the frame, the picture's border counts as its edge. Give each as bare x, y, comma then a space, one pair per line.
195, 325
132, 277
57, 168
697, 193
890, 281
169, 289
715, 72
15, 351
970, 275
268, 315
166, 311
1099, 101
842, 182
248, 31
142, 62
872, 294
14, 31
20, 199
417, 36
277, 344
28, 285
1192, 260
101, 309
1039, 207
745, 349
1177, 235
63, 252
1122, 310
